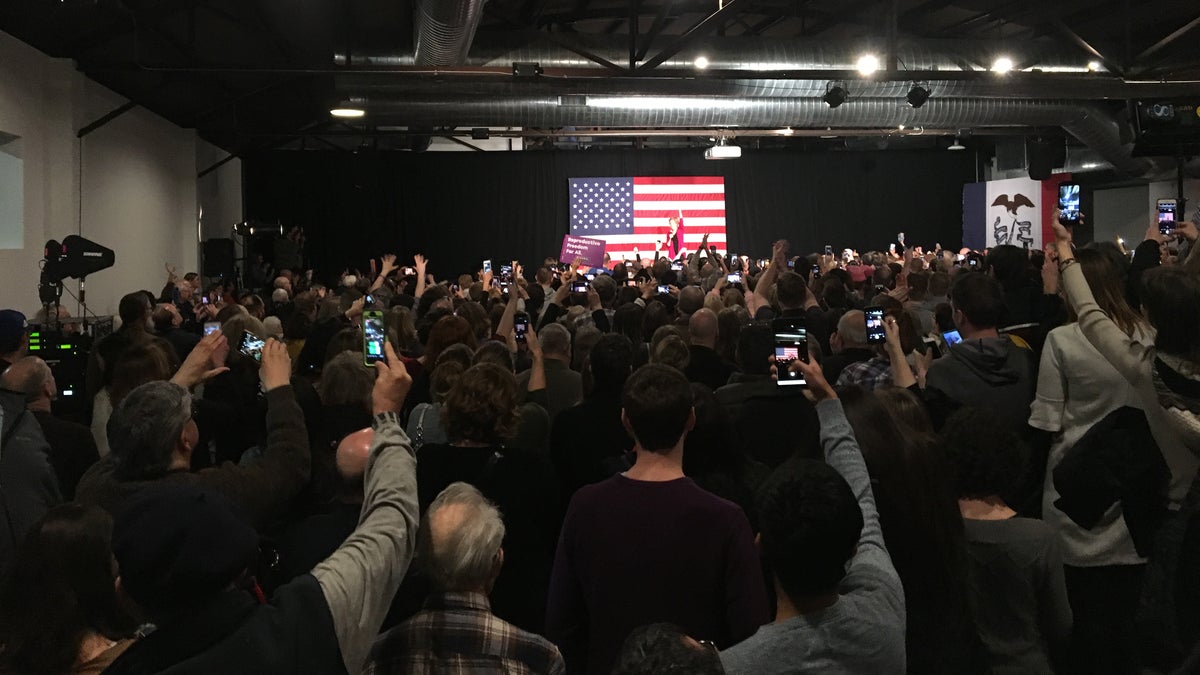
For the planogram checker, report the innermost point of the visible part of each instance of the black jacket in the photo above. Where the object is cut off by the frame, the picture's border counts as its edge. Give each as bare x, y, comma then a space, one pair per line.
28, 487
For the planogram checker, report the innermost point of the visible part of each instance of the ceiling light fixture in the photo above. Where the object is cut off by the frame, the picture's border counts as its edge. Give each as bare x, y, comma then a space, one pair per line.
347, 112
1002, 65
786, 131
957, 145
835, 94
867, 64
701, 62
917, 95
1093, 66
1090, 165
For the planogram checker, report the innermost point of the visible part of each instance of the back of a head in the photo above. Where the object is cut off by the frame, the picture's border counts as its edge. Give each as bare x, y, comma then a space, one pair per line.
555, 340
60, 588
657, 403
979, 297
140, 363
1170, 296
1108, 288
756, 343
702, 326
606, 288
691, 298
852, 328
918, 285
665, 648
162, 318
145, 427
672, 352
460, 538
495, 353
133, 309
790, 290
627, 321
279, 296
809, 524
178, 546
344, 380
984, 464
611, 362
834, 294
1009, 265
28, 375
939, 284
351, 457
448, 330
482, 405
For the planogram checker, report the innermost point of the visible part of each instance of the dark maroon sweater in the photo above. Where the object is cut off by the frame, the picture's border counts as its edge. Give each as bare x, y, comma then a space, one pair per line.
637, 552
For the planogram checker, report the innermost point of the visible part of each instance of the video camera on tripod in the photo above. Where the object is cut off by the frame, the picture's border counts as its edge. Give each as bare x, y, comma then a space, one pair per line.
76, 258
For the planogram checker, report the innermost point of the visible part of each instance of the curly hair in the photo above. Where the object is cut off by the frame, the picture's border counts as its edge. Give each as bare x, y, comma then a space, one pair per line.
985, 464
482, 406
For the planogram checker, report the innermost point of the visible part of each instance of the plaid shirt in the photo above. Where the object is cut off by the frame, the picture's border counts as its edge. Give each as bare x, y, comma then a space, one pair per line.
871, 374
457, 633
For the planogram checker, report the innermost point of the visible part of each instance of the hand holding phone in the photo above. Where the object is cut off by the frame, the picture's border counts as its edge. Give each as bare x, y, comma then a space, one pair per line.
521, 326
211, 327
251, 345
1068, 203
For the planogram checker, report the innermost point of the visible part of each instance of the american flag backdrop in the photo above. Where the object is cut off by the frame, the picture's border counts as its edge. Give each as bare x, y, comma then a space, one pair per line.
634, 211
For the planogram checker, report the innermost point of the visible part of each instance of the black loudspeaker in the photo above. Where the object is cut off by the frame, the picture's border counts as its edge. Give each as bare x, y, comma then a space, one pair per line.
218, 258
1044, 155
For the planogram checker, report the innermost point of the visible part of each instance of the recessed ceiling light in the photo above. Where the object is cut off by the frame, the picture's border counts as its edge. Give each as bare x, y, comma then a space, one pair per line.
701, 62
348, 112
867, 64
1002, 65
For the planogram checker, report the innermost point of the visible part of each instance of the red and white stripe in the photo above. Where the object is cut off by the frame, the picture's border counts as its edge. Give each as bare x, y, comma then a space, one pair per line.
656, 199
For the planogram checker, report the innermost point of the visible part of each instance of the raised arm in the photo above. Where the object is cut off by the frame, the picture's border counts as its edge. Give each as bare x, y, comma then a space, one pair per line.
871, 570
360, 578
537, 373
762, 290
1125, 354
510, 310
389, 266
420, 263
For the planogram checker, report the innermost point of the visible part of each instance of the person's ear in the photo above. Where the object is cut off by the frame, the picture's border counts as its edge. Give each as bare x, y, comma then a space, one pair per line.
691, 420
625, 423
758, 541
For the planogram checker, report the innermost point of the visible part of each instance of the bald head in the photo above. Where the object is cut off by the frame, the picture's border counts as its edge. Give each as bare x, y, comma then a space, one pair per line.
852, 329
691, 298
32, 377
702, 328
351, 457
460, 540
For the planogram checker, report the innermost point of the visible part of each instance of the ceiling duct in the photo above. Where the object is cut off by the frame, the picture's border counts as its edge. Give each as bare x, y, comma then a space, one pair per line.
1090, 123
443, 31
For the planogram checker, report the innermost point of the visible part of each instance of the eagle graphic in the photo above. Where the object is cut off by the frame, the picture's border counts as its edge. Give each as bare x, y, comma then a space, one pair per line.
1022, 229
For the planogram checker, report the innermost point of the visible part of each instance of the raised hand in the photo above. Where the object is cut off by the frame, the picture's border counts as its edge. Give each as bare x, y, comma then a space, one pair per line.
389, 264
419, 261
392, 383
276, 369
206, 361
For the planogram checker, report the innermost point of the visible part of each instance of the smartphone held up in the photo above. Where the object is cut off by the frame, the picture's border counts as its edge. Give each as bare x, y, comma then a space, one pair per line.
791, 344
374, 335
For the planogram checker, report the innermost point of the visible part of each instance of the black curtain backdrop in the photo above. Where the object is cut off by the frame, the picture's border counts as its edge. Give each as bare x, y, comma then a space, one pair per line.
461, 207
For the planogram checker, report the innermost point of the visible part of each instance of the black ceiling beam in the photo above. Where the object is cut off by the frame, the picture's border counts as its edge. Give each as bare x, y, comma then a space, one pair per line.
1087, 47
106, 118
569, 45
125, 25
1178, 33
660, 22
982, 18
912, 15
701, 28
634, 25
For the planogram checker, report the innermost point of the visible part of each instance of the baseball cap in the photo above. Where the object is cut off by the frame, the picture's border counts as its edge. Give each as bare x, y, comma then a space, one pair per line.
12, 328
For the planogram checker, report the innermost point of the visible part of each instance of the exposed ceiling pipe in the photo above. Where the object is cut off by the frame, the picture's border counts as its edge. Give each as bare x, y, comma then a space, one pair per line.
443, 31
1090, 123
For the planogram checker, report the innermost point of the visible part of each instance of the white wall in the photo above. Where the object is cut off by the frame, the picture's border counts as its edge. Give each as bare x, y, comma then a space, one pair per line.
1126, 212
138, 186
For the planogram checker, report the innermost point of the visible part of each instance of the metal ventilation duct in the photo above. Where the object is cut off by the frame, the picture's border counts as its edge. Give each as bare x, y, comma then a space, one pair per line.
724, 53
443, 31
1090, 123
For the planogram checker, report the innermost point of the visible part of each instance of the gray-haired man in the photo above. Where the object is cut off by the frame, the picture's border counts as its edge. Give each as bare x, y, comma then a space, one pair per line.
459, 544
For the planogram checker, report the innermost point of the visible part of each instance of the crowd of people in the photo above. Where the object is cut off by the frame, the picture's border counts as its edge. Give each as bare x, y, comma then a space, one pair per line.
559, 468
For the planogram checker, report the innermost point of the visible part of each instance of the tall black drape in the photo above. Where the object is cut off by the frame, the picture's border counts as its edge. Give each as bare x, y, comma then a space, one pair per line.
461, 207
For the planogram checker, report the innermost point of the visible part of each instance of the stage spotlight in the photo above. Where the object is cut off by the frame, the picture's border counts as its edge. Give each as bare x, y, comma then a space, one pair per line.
835, 95
1002, 65
917, 95
867, 64
701, 62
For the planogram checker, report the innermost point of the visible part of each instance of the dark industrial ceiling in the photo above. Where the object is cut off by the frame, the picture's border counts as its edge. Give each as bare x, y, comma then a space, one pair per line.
259, 74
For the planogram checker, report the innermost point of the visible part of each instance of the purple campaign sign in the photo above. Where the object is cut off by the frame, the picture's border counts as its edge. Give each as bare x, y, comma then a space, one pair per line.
590, 251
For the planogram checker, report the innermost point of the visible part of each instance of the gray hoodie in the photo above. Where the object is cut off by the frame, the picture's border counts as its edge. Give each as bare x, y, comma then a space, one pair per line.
991, 373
